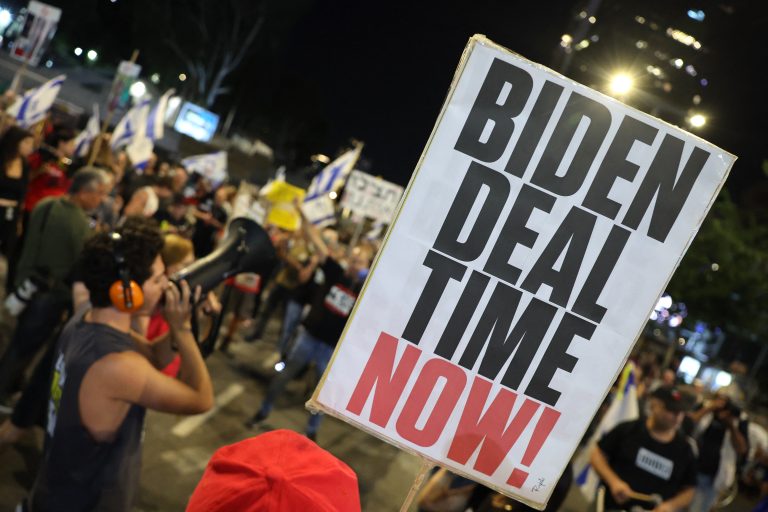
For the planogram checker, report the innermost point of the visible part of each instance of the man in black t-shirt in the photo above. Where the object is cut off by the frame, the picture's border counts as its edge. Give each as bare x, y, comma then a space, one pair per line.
646, 457
331, 304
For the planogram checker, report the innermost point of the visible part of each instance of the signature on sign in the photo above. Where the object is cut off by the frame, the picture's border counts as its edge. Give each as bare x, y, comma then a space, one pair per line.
539, 486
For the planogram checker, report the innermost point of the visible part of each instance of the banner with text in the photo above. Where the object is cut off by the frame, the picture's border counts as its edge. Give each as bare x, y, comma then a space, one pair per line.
371, 197
542, 223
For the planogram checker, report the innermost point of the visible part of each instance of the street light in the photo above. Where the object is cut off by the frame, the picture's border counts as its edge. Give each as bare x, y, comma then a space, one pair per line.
697, 120
78, 51
5, 18
138, 89
92, 55
182, 77
621, 84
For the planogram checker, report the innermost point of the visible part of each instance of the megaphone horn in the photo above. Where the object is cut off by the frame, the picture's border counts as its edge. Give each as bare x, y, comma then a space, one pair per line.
246, 248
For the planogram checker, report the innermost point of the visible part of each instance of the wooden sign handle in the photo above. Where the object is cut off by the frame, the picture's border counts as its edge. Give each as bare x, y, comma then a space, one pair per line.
426, 467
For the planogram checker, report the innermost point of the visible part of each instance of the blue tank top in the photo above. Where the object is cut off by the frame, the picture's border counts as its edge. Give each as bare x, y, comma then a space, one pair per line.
79, 473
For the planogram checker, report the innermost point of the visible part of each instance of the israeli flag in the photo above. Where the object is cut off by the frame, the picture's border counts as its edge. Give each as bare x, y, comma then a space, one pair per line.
156, 119
86, 137
34, 105
132, 126
211, 165
139, 151
333, 175
624, 407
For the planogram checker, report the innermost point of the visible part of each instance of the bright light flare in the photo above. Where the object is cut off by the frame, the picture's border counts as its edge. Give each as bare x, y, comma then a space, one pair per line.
697, 120
78, 51
138, 89
621, 84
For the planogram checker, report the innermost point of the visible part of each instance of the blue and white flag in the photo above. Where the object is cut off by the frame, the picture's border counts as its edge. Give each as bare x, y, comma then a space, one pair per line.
139, 151
34, 105
211, 165
132, 126
624, 407
86, 137
333, 175
156, 119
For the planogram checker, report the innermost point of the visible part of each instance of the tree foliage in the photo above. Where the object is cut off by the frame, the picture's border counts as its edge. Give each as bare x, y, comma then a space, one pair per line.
723, 278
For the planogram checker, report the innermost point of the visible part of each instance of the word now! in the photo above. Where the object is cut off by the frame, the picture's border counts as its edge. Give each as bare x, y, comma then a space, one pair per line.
384, 380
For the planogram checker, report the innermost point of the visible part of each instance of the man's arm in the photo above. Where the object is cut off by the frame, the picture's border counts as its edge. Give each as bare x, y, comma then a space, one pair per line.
717, 403
738, 440
313, 235
679, 502
144, 385
618, 487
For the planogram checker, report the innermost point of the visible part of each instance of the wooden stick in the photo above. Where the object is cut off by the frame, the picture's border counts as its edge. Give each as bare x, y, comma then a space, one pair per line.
426, 466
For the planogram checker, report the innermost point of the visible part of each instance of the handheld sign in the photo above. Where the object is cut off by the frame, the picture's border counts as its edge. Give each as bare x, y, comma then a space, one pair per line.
371, 197
542, 223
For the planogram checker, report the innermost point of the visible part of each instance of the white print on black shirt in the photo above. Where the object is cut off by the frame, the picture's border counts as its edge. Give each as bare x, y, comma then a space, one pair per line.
654, 463
340, 300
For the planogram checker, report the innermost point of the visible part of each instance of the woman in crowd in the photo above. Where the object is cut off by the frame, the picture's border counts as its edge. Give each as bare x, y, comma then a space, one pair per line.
15, 146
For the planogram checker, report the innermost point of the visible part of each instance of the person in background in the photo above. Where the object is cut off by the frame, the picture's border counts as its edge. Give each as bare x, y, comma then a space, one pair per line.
50, 166
210, 218
16, 145
332, 303
723, 441
173, 219
649, 456
146, 200
57, 231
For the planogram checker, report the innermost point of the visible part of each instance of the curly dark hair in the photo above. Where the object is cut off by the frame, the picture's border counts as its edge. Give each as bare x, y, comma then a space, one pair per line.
141, 243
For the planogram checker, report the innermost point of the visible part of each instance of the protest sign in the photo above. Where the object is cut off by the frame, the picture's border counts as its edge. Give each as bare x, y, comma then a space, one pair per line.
39, 26
542, 223
371, 197
282, 210
119, 95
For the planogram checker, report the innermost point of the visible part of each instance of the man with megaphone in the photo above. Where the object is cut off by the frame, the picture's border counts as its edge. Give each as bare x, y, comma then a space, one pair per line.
330, 307
102, 384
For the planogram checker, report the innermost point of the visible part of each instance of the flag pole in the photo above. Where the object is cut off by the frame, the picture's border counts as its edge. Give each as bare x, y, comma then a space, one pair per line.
424, 469
107, 119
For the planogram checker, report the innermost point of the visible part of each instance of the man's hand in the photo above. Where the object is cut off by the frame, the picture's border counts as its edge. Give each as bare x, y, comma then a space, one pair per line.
620, 490
665, 507
178, 306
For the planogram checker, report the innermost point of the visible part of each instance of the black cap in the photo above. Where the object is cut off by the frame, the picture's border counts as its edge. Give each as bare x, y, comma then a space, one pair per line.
673, 399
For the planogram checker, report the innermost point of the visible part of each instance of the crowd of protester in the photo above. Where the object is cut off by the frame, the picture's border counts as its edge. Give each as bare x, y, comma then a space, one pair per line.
61, 216
684, 452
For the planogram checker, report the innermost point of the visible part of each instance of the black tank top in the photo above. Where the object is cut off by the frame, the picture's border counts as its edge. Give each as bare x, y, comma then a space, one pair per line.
79, 473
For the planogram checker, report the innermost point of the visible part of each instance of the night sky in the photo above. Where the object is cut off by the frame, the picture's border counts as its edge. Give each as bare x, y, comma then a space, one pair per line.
323, 72
380, 72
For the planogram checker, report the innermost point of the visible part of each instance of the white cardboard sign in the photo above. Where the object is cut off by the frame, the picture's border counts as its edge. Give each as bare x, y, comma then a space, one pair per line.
542, 223
371, 197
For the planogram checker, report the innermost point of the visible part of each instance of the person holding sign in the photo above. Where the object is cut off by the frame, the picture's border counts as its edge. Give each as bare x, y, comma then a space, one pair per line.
331, 305
647, 462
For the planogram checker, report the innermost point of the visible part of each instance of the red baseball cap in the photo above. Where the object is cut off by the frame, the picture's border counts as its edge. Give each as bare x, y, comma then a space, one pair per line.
275, 471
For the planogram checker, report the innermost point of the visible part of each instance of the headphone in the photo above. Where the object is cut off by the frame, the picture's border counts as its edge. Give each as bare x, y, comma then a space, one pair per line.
125, 293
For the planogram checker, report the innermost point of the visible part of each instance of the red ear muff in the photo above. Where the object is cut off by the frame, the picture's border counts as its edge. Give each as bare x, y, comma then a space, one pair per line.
126, 299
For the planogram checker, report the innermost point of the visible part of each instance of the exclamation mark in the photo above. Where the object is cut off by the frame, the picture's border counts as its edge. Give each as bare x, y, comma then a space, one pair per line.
540, 434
